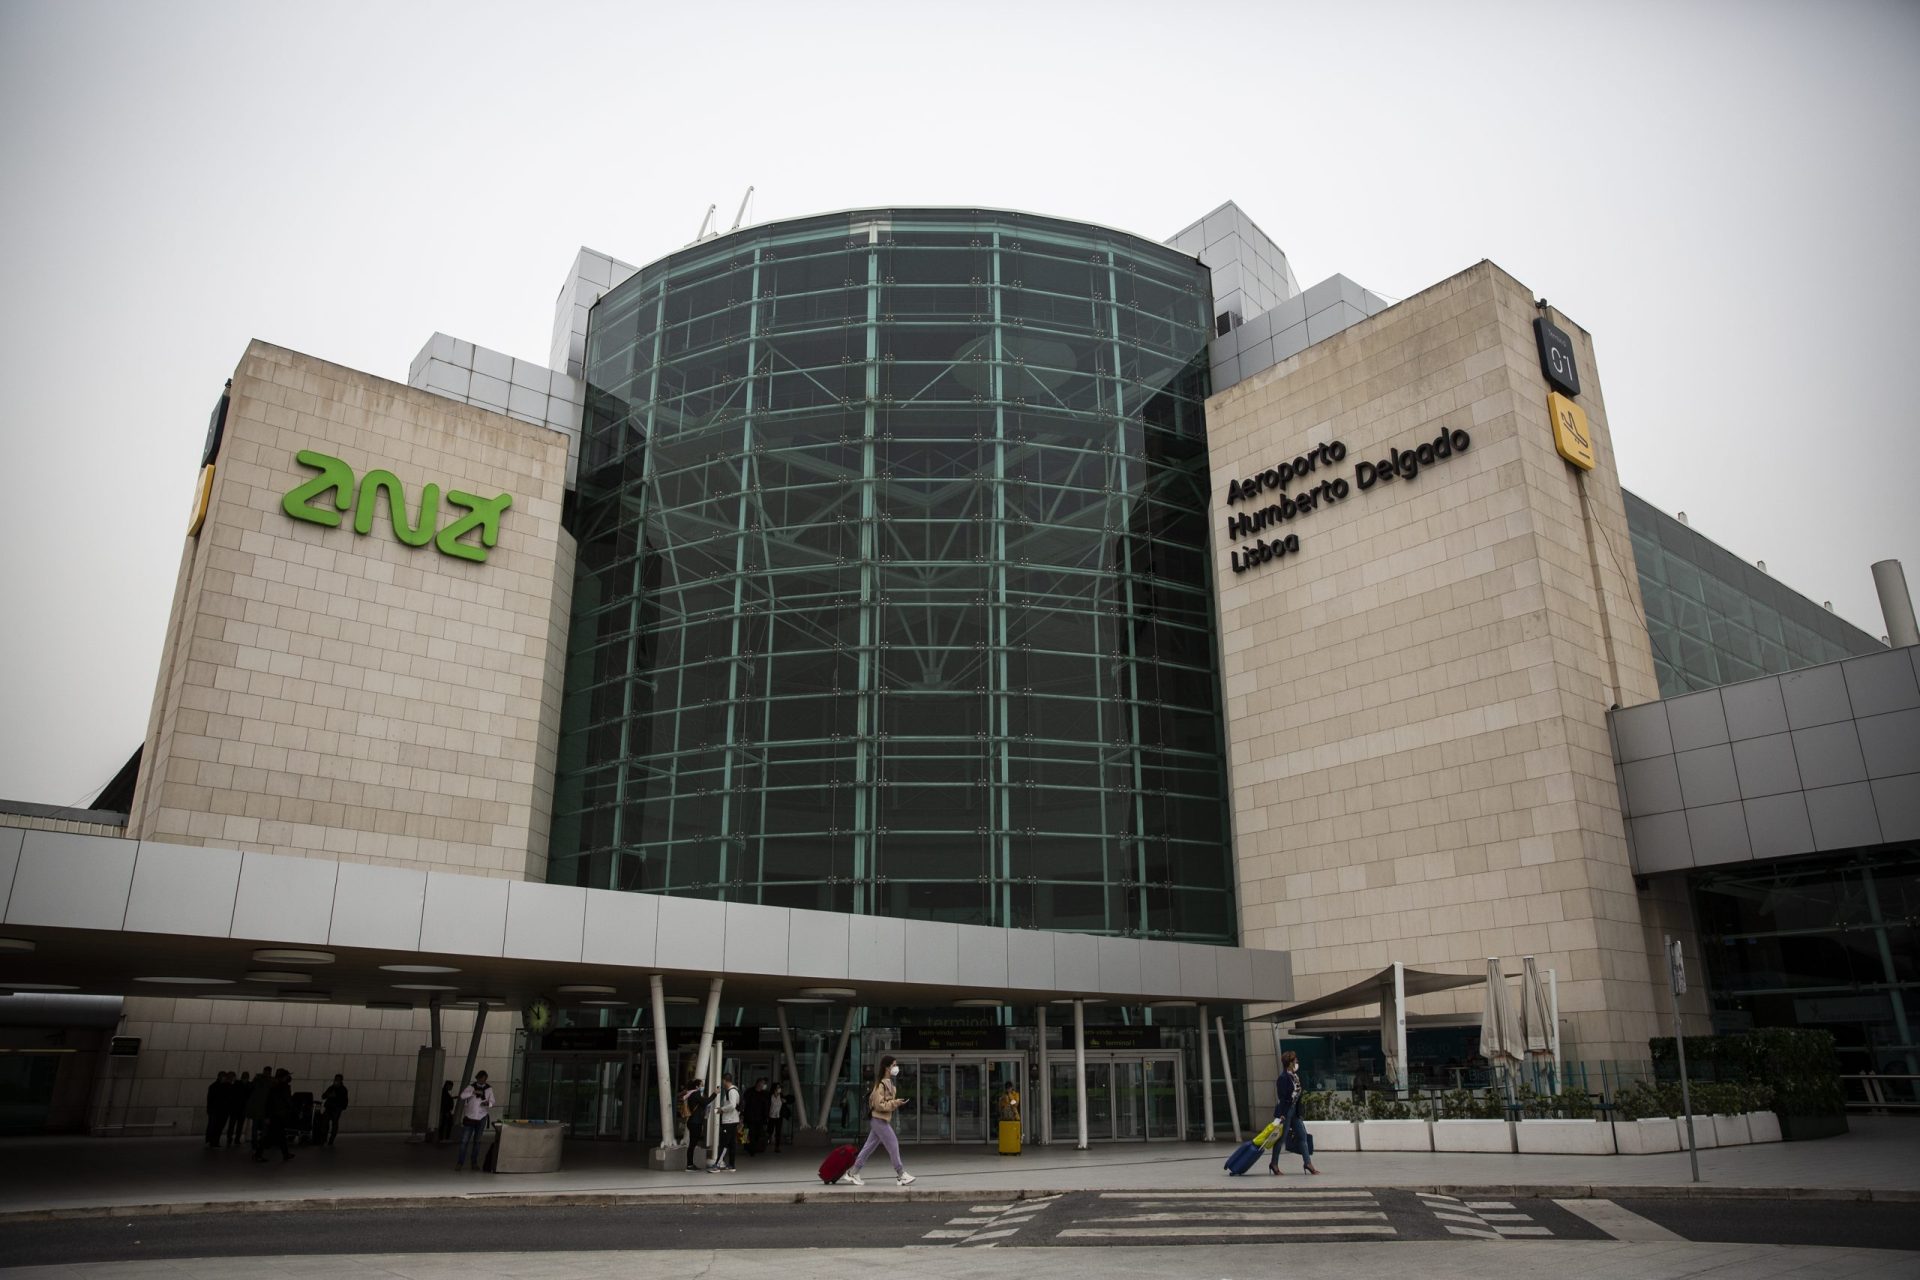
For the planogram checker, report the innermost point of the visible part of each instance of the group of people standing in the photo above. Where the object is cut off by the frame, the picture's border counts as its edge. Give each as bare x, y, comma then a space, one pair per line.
261, 1108
763, 1113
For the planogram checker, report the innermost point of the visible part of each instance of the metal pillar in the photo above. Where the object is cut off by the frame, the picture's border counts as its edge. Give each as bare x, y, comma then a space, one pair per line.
1226, 1074
706, 1031
833, 1071
1399, 1028
660, 1069
1044, 1095
1080, 1067
796, 1096
1206, 1077
473, 1048
433, 1023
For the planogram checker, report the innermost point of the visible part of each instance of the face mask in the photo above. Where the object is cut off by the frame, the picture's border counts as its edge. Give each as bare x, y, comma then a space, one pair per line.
893, 1071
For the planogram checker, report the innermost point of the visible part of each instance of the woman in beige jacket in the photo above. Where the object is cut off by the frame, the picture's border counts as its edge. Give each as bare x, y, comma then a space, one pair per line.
882, 1102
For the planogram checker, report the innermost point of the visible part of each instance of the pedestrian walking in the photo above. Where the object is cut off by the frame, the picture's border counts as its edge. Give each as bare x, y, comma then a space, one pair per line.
447, 1105
476, 1112
759, 1114
882, 1102
238, 1091
279, 1114
1288, 1110
777, 1114
218, 1099
726, 1157
692, 1107
257, 1108
332, 1103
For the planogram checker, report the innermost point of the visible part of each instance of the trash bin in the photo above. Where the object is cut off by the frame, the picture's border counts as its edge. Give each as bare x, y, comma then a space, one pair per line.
1010, 1121
529, 1146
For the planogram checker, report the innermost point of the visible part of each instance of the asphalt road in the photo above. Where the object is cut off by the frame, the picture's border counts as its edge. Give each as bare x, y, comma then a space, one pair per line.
1075, 1219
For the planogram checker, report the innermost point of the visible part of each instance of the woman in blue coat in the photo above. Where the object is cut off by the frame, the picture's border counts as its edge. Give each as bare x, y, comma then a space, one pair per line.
1287, 1110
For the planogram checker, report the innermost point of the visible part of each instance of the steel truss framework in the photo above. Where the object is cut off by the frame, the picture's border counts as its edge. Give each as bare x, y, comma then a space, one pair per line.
893, 593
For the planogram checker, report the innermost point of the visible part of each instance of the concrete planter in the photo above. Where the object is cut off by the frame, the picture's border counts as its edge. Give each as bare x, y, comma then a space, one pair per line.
1703, 1134
1332, 1135
1764, 1126
1648, 1137
1563, 1137
530, 1146
1395, 1135
1731, 1131
1473, 1135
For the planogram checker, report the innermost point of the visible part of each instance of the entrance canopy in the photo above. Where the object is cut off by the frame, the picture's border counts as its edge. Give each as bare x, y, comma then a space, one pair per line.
116, 916
1377, 989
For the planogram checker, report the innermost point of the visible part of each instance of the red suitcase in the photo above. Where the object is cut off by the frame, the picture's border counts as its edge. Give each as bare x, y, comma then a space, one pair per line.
838, 1161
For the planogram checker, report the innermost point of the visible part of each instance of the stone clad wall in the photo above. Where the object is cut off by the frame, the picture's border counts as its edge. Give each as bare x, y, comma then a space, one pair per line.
328, 692
1417, 699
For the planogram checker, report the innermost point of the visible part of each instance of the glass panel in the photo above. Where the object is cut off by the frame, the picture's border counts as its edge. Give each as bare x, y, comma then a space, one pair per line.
971, 1106
1129, 1102
1163, 1099
910, 1083
934, 1103
1099, 1102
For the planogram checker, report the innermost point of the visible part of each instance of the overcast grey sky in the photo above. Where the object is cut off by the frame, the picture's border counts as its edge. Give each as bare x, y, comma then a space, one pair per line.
1724, 194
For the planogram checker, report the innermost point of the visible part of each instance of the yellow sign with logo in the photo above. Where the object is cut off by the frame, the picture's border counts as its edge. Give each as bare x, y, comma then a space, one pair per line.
1570, 435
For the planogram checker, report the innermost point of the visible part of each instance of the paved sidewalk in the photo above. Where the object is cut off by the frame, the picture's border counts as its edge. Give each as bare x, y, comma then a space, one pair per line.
1589, 1259
1881, 1155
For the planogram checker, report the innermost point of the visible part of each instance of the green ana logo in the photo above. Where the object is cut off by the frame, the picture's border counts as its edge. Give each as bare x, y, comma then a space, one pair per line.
336, 477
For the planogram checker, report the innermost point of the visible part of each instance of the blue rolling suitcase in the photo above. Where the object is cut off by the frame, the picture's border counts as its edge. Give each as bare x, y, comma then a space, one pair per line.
1243, 1157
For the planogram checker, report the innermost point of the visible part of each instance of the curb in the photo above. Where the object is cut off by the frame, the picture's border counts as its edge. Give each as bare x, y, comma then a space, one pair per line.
635, 1199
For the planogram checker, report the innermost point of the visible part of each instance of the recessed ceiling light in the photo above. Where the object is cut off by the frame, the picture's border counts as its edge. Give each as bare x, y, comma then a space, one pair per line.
683, 999
419, 968
830, 993
37, 986
582, 989
1083, 1000
18, 946
611, 1004
271, 975
804, 1000
978, 1004
191, 982
474, 1002
306, 997
422, 986
285, 955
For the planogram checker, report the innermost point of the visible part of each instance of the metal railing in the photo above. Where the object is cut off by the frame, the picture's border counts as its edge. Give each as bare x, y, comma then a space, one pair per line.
1880, 1094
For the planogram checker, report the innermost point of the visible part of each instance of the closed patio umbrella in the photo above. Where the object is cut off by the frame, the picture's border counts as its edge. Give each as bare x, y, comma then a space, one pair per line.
1500, 1041
1536, 1013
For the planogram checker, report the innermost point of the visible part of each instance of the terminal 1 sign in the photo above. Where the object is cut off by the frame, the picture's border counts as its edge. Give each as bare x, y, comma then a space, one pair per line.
325, 499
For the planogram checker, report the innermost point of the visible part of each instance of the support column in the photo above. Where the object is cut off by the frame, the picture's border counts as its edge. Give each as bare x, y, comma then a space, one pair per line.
473, 1048
1206, 1077
796, 1096
706, 1031
657, 1158
833, 1071
1045, 1100
1400, 1074
1080, 1068
433, 1023
1226, 1074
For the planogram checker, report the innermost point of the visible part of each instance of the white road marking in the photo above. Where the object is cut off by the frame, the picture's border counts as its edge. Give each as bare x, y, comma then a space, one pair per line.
990, 1208
1475, 1232
946, 1235
1506, 1217
1142, 1233
1301, 1216
1471, 1219
971, 1222
994, 1235
1487, 1204
1268, 1193
1524, 1231
1618, 1221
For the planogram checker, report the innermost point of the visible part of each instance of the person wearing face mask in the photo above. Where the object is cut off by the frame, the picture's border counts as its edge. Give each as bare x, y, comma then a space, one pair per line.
881, 1104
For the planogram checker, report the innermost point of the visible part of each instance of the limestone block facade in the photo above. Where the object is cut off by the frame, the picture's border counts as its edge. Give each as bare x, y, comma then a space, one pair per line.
325, 691
1417, 698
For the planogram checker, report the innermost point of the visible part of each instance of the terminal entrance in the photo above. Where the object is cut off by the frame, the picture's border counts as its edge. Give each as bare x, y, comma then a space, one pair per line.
1131, 1097
955, 1095
592, 1094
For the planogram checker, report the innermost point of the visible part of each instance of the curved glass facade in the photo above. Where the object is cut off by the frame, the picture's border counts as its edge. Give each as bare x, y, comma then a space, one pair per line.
893, 593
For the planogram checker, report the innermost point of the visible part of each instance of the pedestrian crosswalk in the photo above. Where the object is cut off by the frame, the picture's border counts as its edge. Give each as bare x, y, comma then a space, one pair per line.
1482, 1219
986, 1225
1240, 1214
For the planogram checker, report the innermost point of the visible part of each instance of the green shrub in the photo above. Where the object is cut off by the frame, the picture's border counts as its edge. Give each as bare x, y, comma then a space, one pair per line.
1790, 1070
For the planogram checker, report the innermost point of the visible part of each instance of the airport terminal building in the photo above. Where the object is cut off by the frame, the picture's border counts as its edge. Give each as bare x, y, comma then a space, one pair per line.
1031, 650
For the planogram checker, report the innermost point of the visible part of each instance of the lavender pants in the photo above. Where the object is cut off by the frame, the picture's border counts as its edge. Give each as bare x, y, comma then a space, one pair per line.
880, 1134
